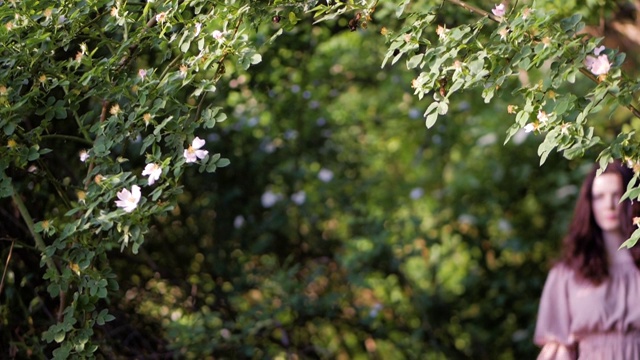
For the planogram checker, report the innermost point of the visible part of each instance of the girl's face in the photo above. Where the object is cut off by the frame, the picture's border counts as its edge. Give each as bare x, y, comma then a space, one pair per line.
606, 193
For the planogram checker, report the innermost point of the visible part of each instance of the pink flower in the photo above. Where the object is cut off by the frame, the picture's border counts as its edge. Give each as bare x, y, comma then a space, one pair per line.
218, 35
192, 154
142, 73
499, 10
598, 65
442, 31
128, 200
598, 50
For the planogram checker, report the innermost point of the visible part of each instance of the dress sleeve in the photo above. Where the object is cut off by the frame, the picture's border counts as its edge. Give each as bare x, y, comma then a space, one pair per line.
553, 328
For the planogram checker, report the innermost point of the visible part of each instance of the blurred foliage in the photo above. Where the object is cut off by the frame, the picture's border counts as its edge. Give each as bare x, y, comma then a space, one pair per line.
342, 229
423, 244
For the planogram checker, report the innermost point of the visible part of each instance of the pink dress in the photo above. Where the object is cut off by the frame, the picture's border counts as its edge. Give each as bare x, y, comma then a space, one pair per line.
578, 320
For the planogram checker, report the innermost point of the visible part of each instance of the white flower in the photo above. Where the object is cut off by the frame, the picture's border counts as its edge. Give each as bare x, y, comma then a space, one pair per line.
218, 35
198, 28
499, 10
299, 197
325, 175
457, 66
128, 199
542, 116
192, 154
183, 71
503, 33
154, 171
598, 65
441, 31
84, 155
529, 127
269, 198
238, 222
161, 17
416, 193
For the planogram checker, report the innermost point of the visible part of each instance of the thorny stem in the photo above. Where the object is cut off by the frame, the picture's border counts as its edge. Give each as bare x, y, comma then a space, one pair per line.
170, 66
40, 245
103, 116
476, 10
219, 72
594, 78
132, 49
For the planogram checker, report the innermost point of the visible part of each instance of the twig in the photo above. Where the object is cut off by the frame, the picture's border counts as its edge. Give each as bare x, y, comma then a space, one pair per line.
67, 137
132, 49
6, 265
474, 9
40, 245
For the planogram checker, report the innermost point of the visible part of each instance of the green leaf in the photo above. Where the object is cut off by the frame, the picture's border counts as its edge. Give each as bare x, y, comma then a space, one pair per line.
185, 46
431, 114
223, 162
293, 19
400, 7
415, 61
631, 242
256, 59
431, 119
62, 352
632, 194
545, 148
33, 153
59, 336
570, 23
443, 107
9, 129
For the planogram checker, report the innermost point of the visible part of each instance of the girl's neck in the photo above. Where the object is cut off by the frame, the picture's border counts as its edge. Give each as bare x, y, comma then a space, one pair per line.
612, 242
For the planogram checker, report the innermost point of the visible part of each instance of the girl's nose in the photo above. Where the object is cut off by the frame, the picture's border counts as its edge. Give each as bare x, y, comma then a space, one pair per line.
613, 202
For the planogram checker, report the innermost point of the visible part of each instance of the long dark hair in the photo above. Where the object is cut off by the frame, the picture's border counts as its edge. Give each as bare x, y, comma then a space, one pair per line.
583, 246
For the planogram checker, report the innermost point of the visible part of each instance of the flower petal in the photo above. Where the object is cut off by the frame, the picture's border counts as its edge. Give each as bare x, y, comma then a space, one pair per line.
201, 154
197, 143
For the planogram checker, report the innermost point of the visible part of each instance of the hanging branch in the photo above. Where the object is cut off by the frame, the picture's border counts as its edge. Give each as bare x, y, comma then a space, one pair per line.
498, 19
